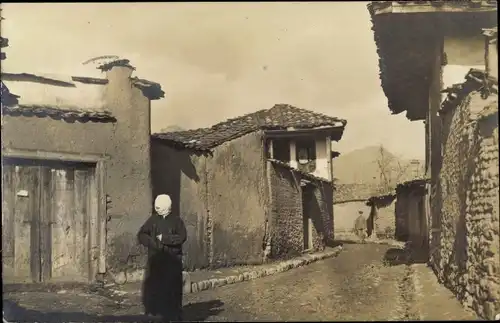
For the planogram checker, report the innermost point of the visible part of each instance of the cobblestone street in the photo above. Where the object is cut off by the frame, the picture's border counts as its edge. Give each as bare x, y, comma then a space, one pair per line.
365, 282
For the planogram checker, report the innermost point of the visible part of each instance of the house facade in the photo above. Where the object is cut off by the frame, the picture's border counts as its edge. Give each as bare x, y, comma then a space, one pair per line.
250, 188
426, 47
76, 180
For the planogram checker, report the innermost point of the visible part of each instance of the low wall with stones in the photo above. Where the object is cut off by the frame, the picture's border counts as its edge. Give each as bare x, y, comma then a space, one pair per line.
465, 251
346, 214
385, 221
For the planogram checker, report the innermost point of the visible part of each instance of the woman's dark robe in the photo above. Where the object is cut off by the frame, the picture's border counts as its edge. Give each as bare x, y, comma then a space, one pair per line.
162, 288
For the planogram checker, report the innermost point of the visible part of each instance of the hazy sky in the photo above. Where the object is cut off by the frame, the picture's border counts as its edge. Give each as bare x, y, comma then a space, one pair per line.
221, 60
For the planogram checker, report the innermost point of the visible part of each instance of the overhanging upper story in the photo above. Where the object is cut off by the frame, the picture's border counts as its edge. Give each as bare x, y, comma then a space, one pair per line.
297, 137
410, 34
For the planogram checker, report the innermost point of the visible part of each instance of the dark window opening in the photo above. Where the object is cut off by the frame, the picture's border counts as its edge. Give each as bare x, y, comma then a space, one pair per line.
281, 150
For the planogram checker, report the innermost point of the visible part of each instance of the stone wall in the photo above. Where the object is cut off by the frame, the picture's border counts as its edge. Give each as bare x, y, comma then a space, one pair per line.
465, 247
385, 222
286, 214
289, 202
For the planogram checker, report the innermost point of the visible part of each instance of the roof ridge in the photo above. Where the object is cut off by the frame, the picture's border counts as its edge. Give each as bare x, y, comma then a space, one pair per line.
280, 116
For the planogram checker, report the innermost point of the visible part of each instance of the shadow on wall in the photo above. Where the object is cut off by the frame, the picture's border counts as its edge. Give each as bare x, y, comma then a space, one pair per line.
193, 312
327, 215
125, 254
313, 209
178, 173
167, 167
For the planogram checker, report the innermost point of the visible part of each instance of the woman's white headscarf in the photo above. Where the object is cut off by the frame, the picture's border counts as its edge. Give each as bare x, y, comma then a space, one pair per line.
163, 205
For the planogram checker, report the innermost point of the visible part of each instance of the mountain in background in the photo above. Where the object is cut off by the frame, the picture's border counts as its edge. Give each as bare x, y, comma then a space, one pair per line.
375, 165
171, 128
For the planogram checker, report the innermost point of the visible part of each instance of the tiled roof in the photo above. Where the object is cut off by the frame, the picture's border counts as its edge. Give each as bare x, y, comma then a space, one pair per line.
418, 183
4, 42
7, 98
353, 192
58, 113
281, 116
382, 200
302, 173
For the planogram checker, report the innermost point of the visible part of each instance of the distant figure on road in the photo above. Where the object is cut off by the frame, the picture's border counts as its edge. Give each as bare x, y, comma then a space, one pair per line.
163, 234
360, 226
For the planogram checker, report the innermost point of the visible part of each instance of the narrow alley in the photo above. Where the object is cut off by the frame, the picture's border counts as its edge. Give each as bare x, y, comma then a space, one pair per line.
365, 282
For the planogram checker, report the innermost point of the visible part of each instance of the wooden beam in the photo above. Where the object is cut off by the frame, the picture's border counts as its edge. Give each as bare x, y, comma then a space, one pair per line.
48, 155
303, 132
293, 154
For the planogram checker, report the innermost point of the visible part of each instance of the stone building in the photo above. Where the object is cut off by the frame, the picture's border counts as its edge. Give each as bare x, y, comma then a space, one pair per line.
424, 48
250, 188
76, 180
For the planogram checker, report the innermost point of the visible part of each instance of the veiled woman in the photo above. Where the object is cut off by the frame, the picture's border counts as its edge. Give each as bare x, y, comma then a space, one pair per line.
163, 234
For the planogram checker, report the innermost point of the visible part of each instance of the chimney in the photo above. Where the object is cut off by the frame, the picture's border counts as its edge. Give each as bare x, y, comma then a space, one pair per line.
491, 52
117, 70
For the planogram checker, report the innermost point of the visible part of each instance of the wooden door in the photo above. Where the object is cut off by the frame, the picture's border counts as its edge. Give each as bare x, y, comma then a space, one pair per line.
20, 222
66, 248
48, 221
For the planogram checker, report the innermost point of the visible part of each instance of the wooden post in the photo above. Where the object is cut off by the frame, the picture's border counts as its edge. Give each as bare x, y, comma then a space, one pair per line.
293, 154
102, 218
268, 224
329, 158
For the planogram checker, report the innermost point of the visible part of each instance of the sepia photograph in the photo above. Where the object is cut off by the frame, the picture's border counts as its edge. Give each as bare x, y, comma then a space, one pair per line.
250, 161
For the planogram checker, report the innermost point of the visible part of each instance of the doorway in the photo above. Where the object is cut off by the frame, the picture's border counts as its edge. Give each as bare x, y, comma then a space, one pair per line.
49, 219
307, 195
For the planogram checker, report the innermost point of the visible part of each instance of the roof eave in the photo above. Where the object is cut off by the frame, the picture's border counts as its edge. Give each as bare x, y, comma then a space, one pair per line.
377, 8
57, 114
151, 90
302, 173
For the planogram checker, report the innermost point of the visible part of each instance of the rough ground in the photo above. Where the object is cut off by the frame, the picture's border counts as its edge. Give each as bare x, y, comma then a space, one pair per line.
365, 282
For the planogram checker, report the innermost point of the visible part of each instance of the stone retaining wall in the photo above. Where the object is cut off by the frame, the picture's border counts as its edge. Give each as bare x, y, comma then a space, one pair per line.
465, 248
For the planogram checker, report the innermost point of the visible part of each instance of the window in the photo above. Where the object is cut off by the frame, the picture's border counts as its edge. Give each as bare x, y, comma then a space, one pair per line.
306, 154
281, 150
